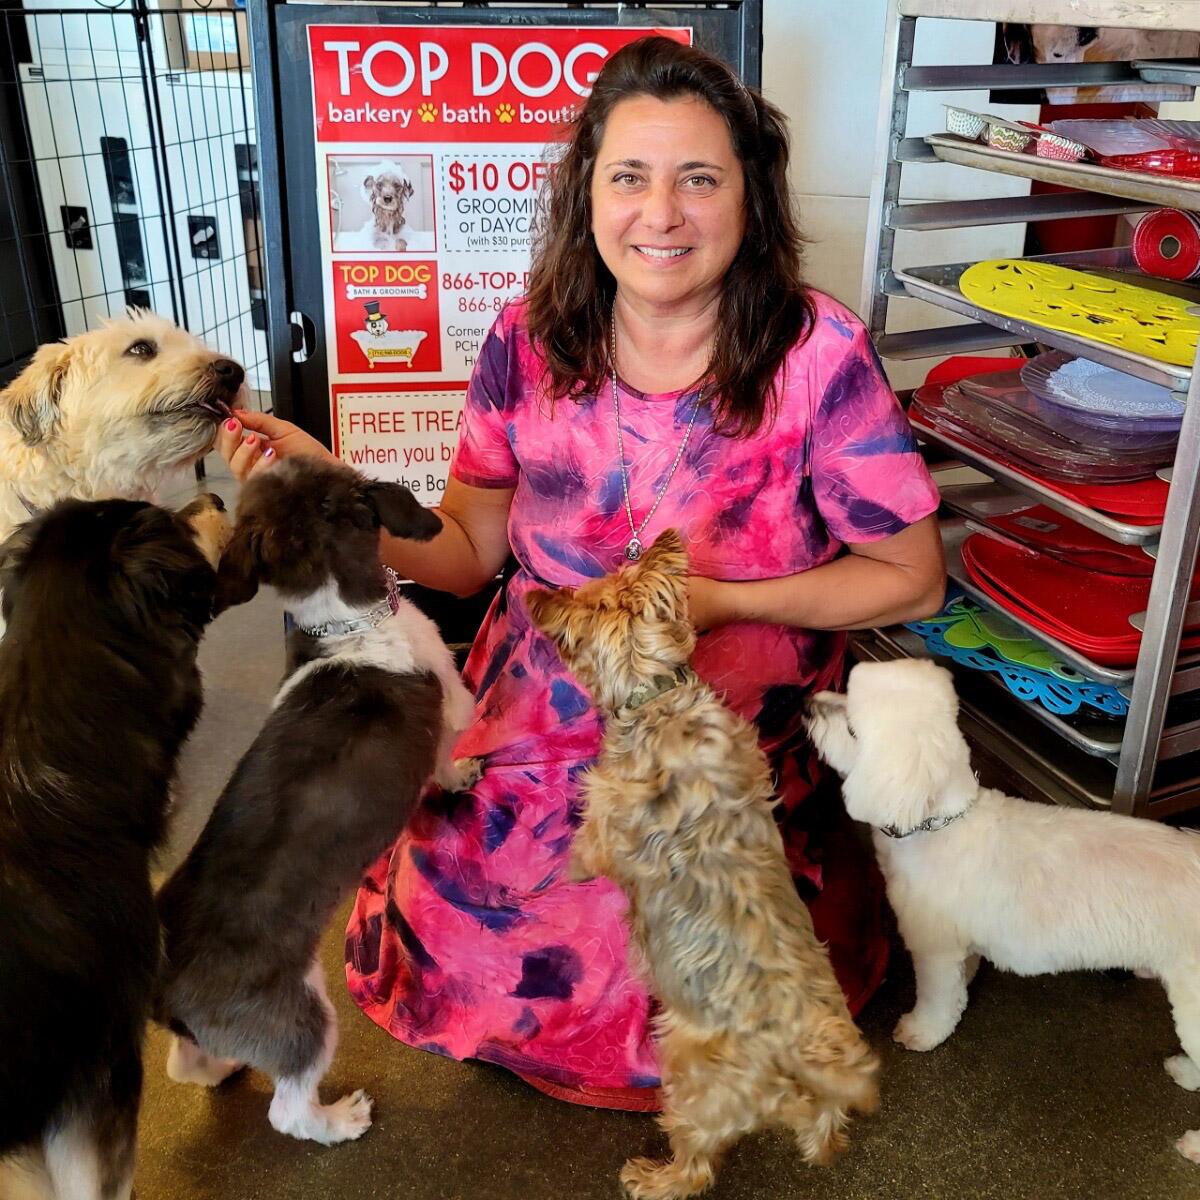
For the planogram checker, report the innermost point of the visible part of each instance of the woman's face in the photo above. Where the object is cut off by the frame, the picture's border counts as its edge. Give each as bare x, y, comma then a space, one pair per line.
667, 202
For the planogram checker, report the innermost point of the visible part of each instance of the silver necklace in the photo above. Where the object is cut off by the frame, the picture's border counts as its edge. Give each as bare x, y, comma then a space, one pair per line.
635, 546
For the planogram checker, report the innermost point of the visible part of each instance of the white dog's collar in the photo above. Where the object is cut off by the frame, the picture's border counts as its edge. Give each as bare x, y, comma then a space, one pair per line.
371, 619
929, 825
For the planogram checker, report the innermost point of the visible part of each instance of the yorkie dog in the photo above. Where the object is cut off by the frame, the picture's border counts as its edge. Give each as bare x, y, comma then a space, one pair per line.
753, 1029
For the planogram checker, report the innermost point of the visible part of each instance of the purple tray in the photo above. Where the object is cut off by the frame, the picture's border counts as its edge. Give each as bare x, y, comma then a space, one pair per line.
1036, 373
1005, 391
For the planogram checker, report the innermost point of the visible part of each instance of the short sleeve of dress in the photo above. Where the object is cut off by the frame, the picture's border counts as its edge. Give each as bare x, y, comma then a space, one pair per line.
484, 455
868, 478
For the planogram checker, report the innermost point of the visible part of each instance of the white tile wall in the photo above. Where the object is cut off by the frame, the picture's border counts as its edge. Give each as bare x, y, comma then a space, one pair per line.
823, 65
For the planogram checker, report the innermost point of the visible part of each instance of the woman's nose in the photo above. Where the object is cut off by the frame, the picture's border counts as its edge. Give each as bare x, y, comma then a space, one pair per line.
661, 209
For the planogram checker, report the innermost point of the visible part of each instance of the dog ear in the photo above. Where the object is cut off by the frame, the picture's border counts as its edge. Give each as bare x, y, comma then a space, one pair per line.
658, 590
12, 554
400, 513
666, 554
13, 548
32, 399
368, 183
164, 572
550, 611
238, 573
408, 190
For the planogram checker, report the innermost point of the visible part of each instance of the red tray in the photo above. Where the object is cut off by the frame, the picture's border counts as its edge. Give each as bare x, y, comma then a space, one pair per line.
1086, 609
1041, 528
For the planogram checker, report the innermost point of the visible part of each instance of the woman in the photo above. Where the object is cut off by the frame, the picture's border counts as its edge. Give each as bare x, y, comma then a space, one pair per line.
667, 368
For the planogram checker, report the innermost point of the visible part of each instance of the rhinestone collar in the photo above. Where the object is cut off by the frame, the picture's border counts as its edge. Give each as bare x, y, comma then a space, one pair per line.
371, 619
929, 825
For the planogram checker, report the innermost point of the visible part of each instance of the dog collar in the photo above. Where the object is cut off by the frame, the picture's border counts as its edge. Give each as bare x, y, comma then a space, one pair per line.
658, 686
929, 825
371, 619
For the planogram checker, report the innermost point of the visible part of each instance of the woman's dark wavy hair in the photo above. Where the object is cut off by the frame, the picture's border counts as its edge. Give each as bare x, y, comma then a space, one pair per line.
764, 309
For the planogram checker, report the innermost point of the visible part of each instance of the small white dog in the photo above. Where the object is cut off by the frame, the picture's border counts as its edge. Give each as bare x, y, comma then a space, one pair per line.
974, 873
109, 413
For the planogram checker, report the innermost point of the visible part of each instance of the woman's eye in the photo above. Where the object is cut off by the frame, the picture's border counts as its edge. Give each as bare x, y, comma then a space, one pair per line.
142, 349
625, 179
702, 181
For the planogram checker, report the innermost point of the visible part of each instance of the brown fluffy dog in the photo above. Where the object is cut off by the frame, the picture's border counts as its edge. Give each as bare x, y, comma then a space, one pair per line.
387, 193
754, 1030
109, 413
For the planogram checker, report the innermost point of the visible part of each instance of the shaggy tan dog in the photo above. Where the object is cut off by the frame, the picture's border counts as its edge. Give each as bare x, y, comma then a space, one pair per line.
109, 413
754, 1030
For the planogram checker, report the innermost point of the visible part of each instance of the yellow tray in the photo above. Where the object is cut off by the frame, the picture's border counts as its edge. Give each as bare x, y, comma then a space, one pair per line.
1088, 306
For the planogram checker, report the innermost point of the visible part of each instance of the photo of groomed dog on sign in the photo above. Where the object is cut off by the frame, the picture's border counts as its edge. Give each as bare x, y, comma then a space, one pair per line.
759, 759
383, 205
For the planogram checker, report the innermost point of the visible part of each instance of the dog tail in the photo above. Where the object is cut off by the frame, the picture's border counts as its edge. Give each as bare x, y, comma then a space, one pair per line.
835, 1063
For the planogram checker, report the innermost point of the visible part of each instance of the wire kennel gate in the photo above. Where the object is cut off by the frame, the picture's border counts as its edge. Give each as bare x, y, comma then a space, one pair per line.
129, 174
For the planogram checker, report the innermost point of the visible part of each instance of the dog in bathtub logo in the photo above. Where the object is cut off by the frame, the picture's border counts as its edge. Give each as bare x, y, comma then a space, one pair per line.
377, 323
380, 343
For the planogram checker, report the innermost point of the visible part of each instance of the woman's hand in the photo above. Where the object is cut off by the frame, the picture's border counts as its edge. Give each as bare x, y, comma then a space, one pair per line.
252, 441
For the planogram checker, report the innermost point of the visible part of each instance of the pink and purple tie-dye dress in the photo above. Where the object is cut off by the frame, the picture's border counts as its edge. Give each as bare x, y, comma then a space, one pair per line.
466, 938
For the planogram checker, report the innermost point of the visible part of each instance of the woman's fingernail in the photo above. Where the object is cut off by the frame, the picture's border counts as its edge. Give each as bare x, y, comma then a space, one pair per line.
269, 452
231, 425
249, 439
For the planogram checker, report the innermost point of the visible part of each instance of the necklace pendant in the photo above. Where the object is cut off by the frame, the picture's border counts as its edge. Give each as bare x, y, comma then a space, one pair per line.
633, 548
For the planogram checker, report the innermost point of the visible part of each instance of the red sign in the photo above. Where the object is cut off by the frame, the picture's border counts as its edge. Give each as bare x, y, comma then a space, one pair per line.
387, 316
433, 146
471, 83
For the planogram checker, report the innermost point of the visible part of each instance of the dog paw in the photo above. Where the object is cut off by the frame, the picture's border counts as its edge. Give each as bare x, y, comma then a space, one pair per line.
647, 1179
187, 1063
346, 1119
469, 771
821, 1147
1185, 1073
914, 1034
1189, 1145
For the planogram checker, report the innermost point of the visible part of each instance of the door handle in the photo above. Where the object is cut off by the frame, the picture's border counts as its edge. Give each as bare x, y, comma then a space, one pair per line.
302, 344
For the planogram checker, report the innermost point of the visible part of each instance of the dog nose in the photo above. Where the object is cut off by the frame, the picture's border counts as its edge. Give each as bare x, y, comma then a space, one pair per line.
228, 372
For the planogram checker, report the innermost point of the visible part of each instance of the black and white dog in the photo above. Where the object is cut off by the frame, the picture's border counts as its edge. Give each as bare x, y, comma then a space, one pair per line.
105, 603
367, 714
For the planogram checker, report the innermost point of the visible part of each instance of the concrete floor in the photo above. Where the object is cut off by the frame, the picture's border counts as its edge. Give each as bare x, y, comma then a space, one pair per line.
1051, 1088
